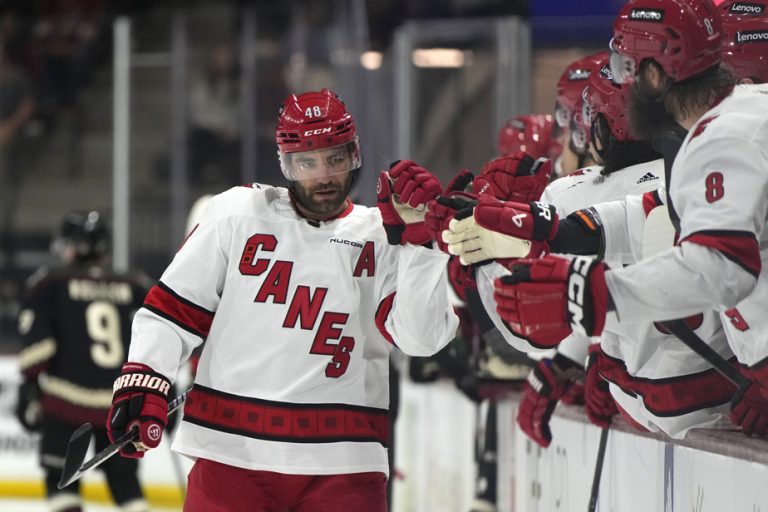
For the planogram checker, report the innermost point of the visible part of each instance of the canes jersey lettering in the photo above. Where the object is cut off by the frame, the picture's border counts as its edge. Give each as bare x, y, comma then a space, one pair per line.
298, 319
719, 185
75, 325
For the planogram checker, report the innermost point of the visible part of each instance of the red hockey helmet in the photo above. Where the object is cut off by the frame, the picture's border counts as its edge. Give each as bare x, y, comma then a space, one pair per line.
683, 36
741, 9
532, 133
745, 51
570, 86
315, 121
603, 96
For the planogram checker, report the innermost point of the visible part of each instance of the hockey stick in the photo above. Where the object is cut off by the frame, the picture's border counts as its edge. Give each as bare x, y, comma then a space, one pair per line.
74, 467
598, 469
692, 340
659, 234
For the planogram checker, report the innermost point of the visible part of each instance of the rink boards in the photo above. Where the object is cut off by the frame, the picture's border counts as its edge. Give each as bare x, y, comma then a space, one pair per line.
708, 471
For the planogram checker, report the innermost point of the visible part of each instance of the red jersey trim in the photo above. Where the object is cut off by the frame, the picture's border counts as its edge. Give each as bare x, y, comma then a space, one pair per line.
741, 247
650, 201
670, 396
382, 313
164, 302
285, 421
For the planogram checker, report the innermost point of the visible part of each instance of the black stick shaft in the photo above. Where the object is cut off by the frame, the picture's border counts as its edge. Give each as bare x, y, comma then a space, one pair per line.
113, 448
692, 340
598, 470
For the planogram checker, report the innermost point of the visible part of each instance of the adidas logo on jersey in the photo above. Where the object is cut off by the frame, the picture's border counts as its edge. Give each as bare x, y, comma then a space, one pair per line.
647, 14
649, 176
753, 36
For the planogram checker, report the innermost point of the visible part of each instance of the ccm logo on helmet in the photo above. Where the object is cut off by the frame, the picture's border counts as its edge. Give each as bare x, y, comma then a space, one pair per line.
647, 14
753, 36
142, 380
318, 131
747, 8
577, 281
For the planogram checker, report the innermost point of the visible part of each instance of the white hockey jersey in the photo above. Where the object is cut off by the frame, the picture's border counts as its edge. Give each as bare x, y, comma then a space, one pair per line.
718, 187
642, 354
296, 316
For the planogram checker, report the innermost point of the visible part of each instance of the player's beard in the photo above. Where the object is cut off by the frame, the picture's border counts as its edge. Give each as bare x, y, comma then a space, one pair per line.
646, 112
323, 199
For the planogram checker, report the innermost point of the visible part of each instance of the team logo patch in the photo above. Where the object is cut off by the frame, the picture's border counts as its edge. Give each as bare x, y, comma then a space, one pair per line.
644, 14
747, 8
751, 36
606, 73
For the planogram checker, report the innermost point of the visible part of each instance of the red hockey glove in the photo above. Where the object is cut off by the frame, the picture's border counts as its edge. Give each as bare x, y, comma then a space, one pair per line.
600, 405
461, 277
514, 178
549, 382
546, 299
462, 182
749, 406
442, 210
749, 410
402, 195
139, 400
499, 230
542, 392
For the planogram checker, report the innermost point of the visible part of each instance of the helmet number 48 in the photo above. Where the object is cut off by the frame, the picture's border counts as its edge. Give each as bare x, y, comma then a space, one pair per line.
313, 112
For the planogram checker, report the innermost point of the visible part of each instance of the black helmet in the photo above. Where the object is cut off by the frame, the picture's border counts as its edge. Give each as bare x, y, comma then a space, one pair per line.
86, 232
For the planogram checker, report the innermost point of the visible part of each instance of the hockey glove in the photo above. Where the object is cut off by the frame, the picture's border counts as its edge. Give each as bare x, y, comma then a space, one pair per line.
139, 400
549, 382
441, 212
546, 299
402, 195
749, 406
517, 177
28, 410
500, 230
600, 405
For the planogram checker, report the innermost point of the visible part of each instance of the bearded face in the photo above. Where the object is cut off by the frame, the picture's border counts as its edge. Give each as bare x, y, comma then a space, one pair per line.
325, 197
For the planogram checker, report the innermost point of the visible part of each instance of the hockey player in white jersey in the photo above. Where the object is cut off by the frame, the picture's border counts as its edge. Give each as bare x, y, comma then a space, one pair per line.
670, 50
298, 294
644, 358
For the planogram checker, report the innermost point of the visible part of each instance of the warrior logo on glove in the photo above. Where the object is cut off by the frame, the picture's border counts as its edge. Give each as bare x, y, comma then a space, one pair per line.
139, 401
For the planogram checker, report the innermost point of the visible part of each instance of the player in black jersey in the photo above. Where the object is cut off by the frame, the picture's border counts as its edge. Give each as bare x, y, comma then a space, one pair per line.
75, 323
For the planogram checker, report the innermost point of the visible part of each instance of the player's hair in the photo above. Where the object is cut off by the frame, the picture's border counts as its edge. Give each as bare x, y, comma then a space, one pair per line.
622, 154
689, 95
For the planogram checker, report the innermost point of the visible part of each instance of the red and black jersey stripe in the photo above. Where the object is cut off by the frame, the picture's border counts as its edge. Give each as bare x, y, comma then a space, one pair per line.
166, 303
285, 421
741, 247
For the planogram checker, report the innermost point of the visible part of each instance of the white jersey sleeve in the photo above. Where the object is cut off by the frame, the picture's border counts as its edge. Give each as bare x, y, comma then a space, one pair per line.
718, 188
178, 312
421, 320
